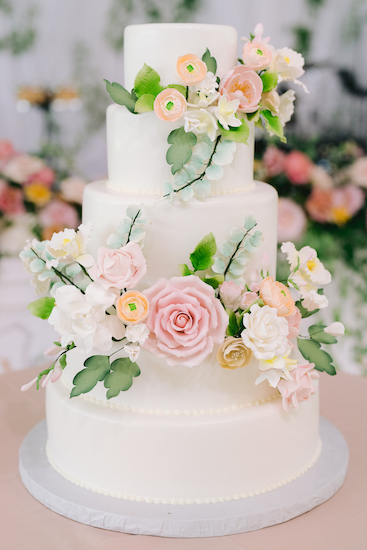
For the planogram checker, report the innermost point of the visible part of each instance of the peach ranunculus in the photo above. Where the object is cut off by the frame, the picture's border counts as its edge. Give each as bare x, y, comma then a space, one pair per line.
121, 268
300, 387
298, 167
169, 105
318, 205
274, 161
185, 320
275, 294
132, 307
292, 220
233, 353
257, 55
72, 189
191, 69
37, 193
294, 321
242, 83
320, 178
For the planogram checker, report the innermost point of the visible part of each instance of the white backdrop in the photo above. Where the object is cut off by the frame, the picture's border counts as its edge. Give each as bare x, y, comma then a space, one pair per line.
63, 24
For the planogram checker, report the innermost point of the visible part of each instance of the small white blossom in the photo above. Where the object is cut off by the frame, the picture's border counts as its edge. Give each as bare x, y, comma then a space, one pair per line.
335, 329
226, 113
133, 351
137, 333
69, 245
201, 122
276, 368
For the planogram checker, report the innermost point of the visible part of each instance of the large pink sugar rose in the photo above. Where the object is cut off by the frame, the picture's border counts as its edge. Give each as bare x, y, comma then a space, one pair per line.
298, 167
11, 199
186, 320
300, 388
257, 55
291, 220
122, 268
244, 84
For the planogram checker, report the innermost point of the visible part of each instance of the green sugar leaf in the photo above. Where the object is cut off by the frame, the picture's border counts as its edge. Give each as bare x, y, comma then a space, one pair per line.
304, 312
270, 80
145, 103
147, 81
214, 281
121, 376
42, 307
311, 351
273, 125
178, 87
180, 152
233, 326
210, 62
185, 270
121, 96
202, 257
96, 369
317, 333
239, 135
62, 361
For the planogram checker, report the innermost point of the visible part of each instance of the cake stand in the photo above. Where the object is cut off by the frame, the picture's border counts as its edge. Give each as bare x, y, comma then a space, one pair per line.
197, 520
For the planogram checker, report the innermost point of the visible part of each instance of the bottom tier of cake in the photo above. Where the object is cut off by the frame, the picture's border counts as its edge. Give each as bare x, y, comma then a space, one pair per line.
179, 459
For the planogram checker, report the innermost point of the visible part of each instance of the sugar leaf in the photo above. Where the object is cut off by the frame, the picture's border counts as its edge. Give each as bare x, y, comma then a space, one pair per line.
185, 270
96, 369
249, 222
214, 173
226, 249
273, 125
304, 312
214, 281
218, 266
233, 326
145, 103
178, 87
311, 351
180, 152
270, 80
317, 333
42, 307
239, 135
147, 81
202, 188
187, 193
210, 61
202, 257
121, 376
121, 96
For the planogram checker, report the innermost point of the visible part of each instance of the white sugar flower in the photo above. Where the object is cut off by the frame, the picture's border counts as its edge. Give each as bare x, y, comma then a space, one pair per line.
276, 368
312, 300
226, 113
137, 333
286, 106
208, 85
69, 245
205, 93
335, 329
35, 261
265, 333
289, 65
201, 122
133, 351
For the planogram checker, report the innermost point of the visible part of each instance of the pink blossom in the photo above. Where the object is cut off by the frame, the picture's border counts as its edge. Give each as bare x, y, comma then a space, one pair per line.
186, 320
337, 206
21, 168
26, 387
300, 388
11, 199
46, 176
247, 299
244, 84
298, 167
58, 214
122, 268
256, 55
291, 220
294, 321
358, 172
274, 161
56, 373
230, 293
72, 189
7, 151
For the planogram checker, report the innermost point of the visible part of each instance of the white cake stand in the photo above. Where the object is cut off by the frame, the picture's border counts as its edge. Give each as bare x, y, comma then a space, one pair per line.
197, 520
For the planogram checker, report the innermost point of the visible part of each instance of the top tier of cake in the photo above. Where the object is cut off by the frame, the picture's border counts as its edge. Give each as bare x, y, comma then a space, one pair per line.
137, 143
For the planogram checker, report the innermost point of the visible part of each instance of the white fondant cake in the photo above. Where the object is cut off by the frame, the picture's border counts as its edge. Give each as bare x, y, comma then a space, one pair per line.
179, 435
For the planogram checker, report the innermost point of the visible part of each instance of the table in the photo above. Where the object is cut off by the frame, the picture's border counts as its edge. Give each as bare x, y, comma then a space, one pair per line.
338, 524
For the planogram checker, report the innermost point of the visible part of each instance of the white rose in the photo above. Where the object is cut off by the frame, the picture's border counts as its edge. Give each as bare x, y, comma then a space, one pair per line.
335, 329
226, 111
137, 333
201, 122
265, 333
69, 245
286, 106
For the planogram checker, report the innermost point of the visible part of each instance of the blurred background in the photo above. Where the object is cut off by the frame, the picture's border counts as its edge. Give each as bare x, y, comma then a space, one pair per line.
53, 58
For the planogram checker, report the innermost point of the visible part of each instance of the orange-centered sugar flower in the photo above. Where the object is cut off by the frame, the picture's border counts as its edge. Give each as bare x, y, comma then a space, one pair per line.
191, 69
169, 105
275, 294
132, 307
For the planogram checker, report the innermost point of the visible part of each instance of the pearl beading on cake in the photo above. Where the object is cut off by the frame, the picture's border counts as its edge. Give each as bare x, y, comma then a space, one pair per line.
146, 192
169, 412
152, 500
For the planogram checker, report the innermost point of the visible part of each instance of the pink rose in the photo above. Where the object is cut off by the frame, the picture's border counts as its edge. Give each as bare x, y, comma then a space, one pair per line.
256, 55
244, 84
11, 199
294, 321
230, 293
300, 388
248, 298
274, 161
7, 151
72, 189
122, 268
185, 320
291, 220
59, 214
318, 205
358, 172
297, 167
21, 167
46, 176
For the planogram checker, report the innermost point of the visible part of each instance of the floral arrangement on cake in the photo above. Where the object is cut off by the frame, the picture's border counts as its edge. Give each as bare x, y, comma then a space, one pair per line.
94, 306
215, 111
34, 199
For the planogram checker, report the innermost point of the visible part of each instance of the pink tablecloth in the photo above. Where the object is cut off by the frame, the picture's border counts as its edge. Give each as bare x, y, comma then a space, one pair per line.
339, 524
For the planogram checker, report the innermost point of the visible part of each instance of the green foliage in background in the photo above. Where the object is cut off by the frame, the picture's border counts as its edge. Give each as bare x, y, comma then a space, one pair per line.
22, 34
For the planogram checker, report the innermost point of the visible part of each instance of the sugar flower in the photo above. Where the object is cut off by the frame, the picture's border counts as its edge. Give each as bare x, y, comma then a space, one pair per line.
137, 333
247, 299
277, 295
233, 354
242, 83
312, 300
257, 55
169, 105
300, 387
292, 220
289, 64
230, 293
208, 86
276, 368
200, 121
335, 329
58, 215
133, 351
121, 268
226, 112
265, 332
294, 321
69, 245
286, 106
132, 307
191, 69
186, 320
271, 100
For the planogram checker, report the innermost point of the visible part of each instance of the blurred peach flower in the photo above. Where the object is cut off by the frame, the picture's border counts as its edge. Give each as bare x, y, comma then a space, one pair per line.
318, 205
7, 151
320, 178
297, 167
169, 105
191, 69
21, 167
337, 206
46, 177
292, 220
274, 161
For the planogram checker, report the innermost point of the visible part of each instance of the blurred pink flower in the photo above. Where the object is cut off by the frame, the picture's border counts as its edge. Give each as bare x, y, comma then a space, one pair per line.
297, 167
338, 205
291, 220
318, 205
72, 189
11, 199
46, 176
274, 161
59, 214
320, 178
7, 151
21, 167
358, 172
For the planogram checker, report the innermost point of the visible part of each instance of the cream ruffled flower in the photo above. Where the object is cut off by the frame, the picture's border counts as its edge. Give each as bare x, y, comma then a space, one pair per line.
286, 106
226, 113
265, 333
276, 368
201, 122
205, 93
288, 64
71, 246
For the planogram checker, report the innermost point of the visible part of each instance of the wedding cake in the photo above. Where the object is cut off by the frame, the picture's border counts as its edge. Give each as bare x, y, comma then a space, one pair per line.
211, 391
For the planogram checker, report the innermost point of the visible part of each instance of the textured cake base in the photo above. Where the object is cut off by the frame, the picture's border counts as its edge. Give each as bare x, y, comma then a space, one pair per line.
204, 520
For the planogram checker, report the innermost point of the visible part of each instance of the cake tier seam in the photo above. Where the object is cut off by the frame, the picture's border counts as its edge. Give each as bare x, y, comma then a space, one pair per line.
178, 501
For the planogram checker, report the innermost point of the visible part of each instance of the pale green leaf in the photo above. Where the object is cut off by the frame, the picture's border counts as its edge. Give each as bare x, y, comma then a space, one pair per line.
273, 124
166, 189
236, 268
227, 249
202, 188
317, 333
270, 80
249, 222
203, 150
304, 312
214, 173
121, 96
96, 369
37, 265
196, 162
202, 257
233, 326
181, 148
239, 135
236, 235
243, 257
145, 103
62, 361
42, 307
73, 270
214, 281
147, 81
223, 158
218, 266
226, 145
311, 351
185, 270
124, 226
137, 234
133, 211
178, 87
210, 61
121, 376
187, 193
